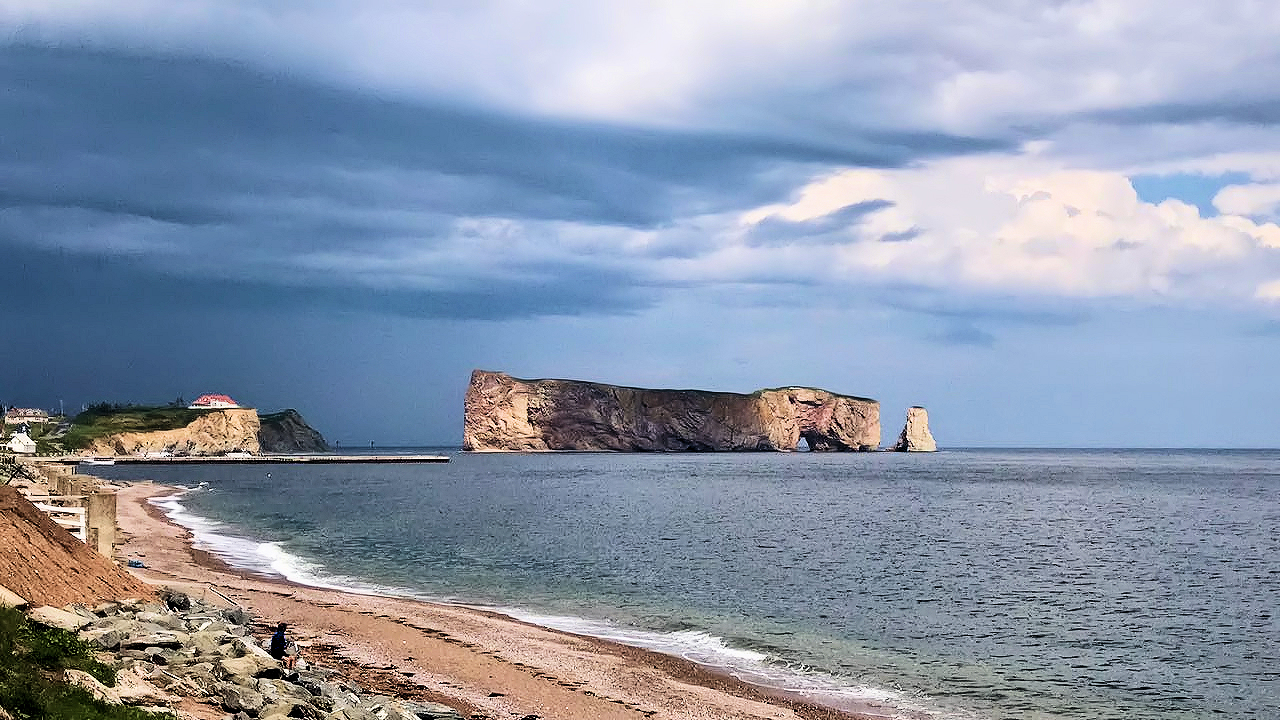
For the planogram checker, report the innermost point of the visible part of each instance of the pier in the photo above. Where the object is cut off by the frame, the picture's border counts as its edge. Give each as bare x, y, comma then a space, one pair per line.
248, 459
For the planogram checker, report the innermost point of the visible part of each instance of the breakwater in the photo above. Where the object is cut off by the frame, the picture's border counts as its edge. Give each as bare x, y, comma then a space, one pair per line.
251, 460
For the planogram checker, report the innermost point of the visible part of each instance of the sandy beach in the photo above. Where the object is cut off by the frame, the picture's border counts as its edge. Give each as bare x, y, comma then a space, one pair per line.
485, 664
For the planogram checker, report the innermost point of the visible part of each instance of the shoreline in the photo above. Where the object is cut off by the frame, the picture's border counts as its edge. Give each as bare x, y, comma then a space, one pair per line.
487, 664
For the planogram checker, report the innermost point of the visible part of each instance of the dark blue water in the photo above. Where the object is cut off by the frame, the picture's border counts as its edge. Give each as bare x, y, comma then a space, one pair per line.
999, 584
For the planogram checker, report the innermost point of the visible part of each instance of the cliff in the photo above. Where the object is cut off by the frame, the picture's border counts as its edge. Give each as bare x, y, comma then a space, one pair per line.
287, 432
503, 413
211, 432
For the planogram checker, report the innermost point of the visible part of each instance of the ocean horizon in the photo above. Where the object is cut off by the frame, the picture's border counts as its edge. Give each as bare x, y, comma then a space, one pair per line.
995, 583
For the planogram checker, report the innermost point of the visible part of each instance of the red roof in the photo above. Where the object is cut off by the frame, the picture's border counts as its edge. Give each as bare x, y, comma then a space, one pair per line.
211, 399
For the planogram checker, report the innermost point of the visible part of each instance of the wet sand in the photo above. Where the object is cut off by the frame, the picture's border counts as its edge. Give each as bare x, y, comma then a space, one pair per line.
485, 664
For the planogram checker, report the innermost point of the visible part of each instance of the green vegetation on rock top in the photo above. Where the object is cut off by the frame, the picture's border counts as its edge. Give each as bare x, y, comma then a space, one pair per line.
103, 419
275, 417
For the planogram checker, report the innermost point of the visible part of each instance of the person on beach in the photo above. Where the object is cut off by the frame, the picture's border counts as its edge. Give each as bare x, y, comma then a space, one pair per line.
280, 649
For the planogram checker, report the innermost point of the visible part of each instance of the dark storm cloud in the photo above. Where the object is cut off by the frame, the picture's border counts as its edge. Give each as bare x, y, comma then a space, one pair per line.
831, 228
55, 284
965, 335
1007, 311
181, 164
1256, 111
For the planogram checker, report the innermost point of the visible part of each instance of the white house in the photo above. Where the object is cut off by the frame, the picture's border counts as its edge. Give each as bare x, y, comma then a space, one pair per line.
23, 416
22, 444
213, 402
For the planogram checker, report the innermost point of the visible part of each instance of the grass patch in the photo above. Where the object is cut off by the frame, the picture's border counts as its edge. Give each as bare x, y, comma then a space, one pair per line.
275, 417
32, 658
102, 419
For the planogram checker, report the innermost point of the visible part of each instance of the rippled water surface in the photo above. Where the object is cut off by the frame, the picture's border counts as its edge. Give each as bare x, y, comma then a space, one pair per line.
999, 584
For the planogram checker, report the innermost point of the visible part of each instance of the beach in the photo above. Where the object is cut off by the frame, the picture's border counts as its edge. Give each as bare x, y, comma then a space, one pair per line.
485, 664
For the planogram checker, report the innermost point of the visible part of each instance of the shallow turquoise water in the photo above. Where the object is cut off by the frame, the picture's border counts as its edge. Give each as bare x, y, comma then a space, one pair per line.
999, 584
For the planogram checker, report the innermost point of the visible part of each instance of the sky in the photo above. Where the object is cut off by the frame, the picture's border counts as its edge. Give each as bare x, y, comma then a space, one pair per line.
1049, 223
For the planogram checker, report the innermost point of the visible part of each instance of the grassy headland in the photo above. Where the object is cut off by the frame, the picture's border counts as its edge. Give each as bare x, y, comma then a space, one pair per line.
103, 419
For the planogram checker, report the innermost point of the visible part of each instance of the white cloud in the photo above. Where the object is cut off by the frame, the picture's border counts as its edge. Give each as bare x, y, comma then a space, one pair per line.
1018, 225
1252, 200
1268, 291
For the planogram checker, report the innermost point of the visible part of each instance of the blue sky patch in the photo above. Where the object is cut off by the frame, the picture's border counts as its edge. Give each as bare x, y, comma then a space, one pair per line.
1190, 188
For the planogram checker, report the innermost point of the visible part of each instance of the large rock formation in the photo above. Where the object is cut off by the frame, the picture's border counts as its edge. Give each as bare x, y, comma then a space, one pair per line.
287, 432
915, 435
507, 414
212, 433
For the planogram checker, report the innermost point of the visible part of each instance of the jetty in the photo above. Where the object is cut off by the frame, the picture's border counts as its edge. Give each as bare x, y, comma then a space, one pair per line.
316, 459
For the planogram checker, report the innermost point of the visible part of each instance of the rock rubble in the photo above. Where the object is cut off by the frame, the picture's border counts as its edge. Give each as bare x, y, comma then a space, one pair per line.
162, 654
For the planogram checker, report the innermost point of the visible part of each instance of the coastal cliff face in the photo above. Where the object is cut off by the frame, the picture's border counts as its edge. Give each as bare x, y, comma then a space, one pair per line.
287, 432
508, 414
915, 435
213, 433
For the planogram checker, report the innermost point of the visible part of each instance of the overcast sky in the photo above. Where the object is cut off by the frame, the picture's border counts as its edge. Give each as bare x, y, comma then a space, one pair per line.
1050, 223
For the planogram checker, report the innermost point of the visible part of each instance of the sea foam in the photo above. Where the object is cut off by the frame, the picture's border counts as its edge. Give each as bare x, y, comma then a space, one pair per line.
264, 558
705, 649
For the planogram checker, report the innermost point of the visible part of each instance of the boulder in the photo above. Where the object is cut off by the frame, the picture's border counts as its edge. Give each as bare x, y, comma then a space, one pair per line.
289, 709
176, 600
237, 616
8, 598
915, 435
54, 617
208, 643
166, 620
132, 689
106, 608
105, 638
276, 690
170, 640
85, 681
238, 698
243, 670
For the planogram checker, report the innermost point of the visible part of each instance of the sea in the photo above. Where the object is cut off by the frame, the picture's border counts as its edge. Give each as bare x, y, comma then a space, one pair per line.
965, 584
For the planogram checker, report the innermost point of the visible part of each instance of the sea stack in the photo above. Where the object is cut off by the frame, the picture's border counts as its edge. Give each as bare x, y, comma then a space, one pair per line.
506, 414
915, 435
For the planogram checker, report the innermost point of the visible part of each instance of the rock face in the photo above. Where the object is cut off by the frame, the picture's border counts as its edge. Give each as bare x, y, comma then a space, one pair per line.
915, 435
287, 432
213, 433
220, 431
508, 414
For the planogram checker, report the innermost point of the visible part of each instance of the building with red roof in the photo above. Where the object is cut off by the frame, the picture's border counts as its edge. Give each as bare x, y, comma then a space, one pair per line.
213, 402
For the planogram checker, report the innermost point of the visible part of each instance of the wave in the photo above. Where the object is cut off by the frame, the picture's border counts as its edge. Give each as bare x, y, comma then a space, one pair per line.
265, 558
757, 668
